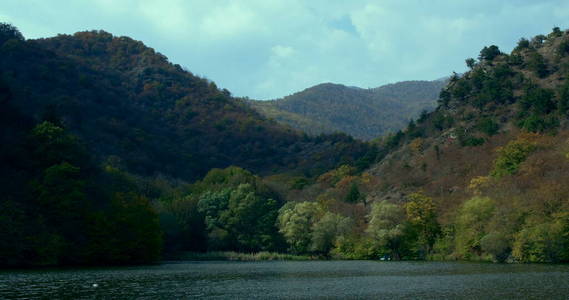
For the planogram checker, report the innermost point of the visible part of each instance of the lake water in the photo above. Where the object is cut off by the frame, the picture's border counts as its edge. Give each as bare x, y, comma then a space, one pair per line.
296, 280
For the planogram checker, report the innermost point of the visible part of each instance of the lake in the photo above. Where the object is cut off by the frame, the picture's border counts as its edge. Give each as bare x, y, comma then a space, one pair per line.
293, 279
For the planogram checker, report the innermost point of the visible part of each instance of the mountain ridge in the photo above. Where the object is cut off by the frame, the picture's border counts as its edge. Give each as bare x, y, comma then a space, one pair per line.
363, 113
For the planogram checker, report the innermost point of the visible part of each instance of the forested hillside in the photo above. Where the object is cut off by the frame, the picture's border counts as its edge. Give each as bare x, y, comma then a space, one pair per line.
95, 128
483, 177
112, 155
363, 113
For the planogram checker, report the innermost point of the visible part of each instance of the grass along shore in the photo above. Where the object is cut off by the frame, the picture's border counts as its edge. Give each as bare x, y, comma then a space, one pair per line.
237, 256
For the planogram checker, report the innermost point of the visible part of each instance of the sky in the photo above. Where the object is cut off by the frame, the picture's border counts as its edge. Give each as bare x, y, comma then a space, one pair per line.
266, 49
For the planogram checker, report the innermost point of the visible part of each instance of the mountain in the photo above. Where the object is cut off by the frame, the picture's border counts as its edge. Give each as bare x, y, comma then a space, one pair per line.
104, 145
362, 113
132, 107
485, 176
98, 133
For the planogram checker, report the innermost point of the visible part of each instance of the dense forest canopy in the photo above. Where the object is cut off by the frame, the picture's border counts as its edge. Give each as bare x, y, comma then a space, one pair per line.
363, 113
112, 155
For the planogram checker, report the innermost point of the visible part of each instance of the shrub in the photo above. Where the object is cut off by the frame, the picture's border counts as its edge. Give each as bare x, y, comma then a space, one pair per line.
488, 126
537, 123
511, 156
523, 43
441, 121
563, 48
536, 63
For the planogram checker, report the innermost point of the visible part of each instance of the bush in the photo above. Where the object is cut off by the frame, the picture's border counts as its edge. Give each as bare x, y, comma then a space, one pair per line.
537, 123
442, 121
511, 156
563, 48
488, 126
538, 100
536, 63
523, 43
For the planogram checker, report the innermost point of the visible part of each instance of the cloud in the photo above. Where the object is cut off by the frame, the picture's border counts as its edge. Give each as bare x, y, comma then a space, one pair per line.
268, 49
282, 51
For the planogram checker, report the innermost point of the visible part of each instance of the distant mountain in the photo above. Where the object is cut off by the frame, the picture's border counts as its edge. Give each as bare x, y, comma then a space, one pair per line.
362, 113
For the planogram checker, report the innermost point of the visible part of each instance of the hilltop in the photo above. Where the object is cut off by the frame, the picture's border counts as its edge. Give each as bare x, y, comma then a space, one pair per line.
134, 108
362, 113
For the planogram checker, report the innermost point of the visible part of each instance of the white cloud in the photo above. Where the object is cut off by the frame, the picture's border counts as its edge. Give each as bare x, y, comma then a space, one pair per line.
282, 51
267, 49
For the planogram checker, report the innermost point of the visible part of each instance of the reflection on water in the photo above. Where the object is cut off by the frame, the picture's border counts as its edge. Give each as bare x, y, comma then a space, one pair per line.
312, 279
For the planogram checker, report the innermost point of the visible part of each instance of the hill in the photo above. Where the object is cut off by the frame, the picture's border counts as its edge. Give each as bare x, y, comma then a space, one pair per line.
483, 177
149, 116
97, 128
362, 113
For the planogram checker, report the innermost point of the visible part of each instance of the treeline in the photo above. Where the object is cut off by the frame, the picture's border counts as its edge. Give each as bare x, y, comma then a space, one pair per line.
59, 208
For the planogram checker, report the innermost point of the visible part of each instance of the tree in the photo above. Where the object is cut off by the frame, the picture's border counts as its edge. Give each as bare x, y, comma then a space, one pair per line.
239, 219
537, 41
295, 222
250, 219
564, 99
523, 43
134, 230
511, 156
536, 63
354, 194
470, 63
489, 53
422, 216
543, 240
9, 32
488, 126
327, 230
387, 228
563, 48
52, 145
471, 223
556, 32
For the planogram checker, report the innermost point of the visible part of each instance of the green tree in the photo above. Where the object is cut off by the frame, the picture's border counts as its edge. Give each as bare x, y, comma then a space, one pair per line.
511, 156
470, 63
387, 228
354, 194
9, 32
422, 215
240, 219
488, 126
489, 53
471, 223
327, 230
295, 222
135, 235
536, 63
523, 43
564, 99
250, 219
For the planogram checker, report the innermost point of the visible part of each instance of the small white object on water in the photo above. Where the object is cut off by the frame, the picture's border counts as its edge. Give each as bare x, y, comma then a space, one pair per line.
95, 285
